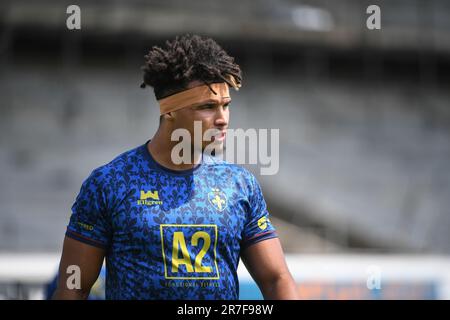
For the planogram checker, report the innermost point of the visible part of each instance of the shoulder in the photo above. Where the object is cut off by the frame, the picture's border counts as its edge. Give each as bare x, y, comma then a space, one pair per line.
230, 169
125, 163
106, 181
220, 164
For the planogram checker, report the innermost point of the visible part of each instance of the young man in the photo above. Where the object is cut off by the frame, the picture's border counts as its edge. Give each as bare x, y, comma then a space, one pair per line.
168, 230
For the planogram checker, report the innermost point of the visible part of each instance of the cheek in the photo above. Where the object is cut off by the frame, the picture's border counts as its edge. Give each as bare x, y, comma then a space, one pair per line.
205, 118
208, 124
185, 120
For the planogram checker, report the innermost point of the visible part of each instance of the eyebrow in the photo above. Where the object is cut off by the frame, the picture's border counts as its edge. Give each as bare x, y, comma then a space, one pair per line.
214, 102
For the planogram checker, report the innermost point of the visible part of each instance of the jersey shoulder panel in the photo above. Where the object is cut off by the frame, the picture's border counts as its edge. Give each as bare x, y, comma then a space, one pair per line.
120, 171
215, 162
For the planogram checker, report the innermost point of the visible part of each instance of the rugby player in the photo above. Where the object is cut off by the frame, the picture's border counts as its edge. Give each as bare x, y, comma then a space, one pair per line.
168, 230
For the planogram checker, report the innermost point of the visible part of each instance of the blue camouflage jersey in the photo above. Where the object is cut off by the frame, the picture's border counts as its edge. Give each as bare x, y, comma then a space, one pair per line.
170, 234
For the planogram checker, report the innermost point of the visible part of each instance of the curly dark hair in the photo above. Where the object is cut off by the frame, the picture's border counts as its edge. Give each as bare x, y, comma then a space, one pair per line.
187, 58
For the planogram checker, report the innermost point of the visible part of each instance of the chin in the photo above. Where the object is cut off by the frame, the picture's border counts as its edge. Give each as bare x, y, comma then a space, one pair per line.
214, 147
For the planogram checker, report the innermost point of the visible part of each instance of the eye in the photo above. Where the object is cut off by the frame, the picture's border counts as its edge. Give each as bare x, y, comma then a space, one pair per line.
226, 105
207, 106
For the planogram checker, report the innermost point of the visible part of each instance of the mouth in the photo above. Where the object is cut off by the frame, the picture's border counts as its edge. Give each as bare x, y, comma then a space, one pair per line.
219, 137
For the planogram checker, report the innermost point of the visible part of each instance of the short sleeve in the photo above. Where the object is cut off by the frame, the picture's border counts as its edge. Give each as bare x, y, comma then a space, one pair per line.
258, 226
89, 219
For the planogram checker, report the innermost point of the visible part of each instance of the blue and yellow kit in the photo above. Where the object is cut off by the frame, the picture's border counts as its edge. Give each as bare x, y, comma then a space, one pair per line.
170, 234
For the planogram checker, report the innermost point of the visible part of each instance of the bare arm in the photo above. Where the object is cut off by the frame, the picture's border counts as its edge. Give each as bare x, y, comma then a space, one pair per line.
88, 258
266, 264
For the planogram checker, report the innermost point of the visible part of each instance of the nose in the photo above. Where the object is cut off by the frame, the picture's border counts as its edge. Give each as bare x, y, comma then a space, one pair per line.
222, 116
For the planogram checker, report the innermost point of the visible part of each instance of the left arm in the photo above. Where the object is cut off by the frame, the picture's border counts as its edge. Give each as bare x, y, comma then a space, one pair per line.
266, 264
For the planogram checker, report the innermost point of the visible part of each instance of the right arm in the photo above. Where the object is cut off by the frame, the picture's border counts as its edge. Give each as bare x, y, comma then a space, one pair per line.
88, 258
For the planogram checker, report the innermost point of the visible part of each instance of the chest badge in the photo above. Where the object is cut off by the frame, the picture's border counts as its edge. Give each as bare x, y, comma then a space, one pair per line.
149, 198
217, 199
262, 223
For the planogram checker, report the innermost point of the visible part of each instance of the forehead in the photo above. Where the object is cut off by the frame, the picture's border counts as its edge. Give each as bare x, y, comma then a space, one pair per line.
217, 93
194, 83
214, 100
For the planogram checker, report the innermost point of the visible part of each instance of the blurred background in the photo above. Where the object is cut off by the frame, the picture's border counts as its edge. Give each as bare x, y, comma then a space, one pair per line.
362, 197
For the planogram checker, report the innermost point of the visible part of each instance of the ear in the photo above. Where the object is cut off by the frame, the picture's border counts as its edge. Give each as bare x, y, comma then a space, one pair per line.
169, 116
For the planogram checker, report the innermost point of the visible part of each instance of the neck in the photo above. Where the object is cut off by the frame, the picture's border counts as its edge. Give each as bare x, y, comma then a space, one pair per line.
160, 147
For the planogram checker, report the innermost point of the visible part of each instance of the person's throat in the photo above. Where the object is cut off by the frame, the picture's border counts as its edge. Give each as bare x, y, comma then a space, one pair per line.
161, 151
